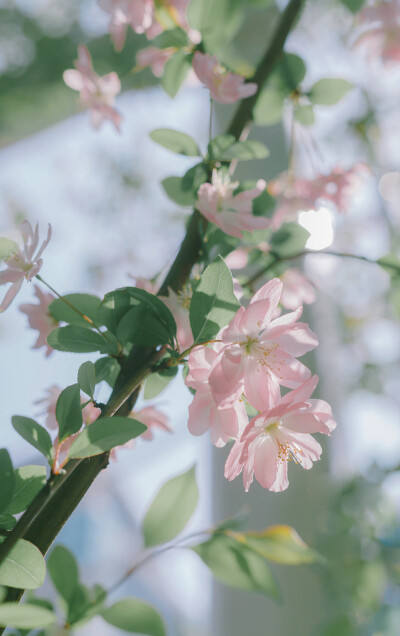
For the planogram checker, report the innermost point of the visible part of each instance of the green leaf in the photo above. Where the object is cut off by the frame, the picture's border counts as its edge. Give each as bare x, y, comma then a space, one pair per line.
25, 616
280, 544
289, 73
104, 434
176, 38
219, 145
34, 434
217, 22
171, 509
245, 150
87, 378
7, 479
353, 5
75, 339
140, 326
304, 115
86, 304
183, 190
213, 303
7, 248
29, 481
175, 72
290, 239
157, 382
69, 412
107, 370
135, 617
269, 107
391, 264
24, 567
7, 522
64, 572
237, 565
176, 141
329, 91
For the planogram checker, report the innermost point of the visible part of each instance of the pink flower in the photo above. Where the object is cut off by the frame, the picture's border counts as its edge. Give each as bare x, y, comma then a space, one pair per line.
382, 37
40, 318
279, 434
204, 413
153, 419
139, 14
232, 213
258, 353
155, 58
23, 263
297, 289
96, 93
239, 258
179, 304
224, 87
146, 284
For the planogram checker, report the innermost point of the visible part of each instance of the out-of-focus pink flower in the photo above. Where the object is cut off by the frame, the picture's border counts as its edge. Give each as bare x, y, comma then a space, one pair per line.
279, 434
139, 14
97, 94
224, 87
239, 258
153, 419
90, 412
231, 212
297, 289
155, 58
40, 318
381, 39
146, 284
259, 353
179, 304
23, 262
204, 413
297, 195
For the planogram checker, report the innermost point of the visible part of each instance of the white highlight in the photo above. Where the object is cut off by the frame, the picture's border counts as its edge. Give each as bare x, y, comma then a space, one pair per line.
320, 225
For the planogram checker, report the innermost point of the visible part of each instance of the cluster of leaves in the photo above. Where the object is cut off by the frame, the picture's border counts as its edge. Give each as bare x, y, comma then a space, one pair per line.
236, 558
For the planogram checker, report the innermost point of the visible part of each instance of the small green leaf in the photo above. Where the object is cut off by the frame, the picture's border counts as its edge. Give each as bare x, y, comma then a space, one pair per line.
135, 617
34, 434
7, 248
25, 616
329, 91
289, 73
176, 141
269, 107
140, 326
217, 22
219, 145
75, 339
87, 378
237, 565
29, 481
86, 304
7, 522
304, 115
183, 190
157, 382
290, 239
280, 544
171, 509
107, 370
24, 567
175, 72
213, 303
245, 150
353, 5
104, 434
176, 38
69, 412
391, 264
7, 480
64, 572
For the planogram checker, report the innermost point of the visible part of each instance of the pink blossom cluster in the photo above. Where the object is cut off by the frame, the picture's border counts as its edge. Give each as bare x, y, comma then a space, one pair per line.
24, 263
298, 194
251, 359
96, 93
381, 35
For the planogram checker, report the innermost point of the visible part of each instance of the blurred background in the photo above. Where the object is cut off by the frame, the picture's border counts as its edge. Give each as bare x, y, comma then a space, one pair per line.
112, 222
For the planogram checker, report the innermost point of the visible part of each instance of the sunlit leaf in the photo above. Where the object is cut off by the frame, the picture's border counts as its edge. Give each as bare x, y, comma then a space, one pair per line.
176, 141
104, 434
25, 616
24, 567
29, 480
7, 480
135, 617
34, 434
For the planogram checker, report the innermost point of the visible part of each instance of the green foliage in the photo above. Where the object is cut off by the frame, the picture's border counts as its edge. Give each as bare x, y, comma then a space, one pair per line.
64, 572
24, 567
329, 91
25, 616
157, 382
280, 544
217, 22
29, 480
176, 38
183, 190
171, 509
213, 303
290, 239
7, 248
87, 378
227, 148
176, 141
304, 114
107, 369
391, 264
34, 434
104, 434
237, 565
75, 339
269, 107
7, 522
135, 617
289, 73
353, 5
7, 480
69, 412
86, 304
217, 243
175, 72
